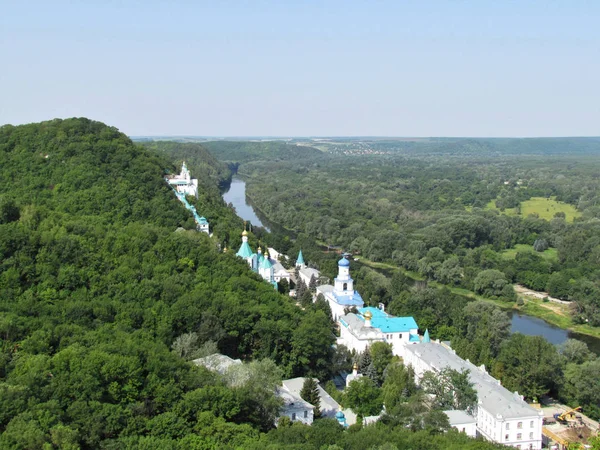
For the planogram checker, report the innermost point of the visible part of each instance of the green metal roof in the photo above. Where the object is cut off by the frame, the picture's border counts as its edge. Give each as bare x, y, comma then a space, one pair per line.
244, 251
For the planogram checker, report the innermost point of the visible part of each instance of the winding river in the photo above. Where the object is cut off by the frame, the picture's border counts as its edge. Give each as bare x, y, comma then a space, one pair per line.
521, 323
236, 195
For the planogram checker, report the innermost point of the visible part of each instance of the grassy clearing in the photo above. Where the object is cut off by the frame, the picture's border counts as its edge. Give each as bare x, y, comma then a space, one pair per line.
544, 207
511, 253
547, 207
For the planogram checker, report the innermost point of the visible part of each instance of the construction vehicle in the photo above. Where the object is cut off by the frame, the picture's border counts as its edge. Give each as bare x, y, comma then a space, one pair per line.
567, 415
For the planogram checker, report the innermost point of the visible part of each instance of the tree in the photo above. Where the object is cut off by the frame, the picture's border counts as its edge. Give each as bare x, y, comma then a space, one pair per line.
490, 283
541, 245
381, 356
9, 212
451, 389
364, 360
283, 286
529, 365
398, 385
578, 387
300, 288
311, 346
312, 285
310, 393
364, 397
575, 351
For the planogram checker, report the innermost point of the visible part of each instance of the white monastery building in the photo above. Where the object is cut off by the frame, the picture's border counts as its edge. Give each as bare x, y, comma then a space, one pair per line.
297, 409
359, 331
502, 416
184, 183
463, 422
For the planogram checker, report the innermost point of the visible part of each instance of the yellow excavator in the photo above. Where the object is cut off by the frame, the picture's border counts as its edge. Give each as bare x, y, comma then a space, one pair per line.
567, 414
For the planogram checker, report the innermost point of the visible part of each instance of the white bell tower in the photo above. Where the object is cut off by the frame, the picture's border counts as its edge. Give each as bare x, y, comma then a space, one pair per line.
343, 283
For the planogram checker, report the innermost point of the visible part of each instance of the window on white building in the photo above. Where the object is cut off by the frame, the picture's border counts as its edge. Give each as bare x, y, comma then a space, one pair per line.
293, 416
520, 425
305, 414
506, 437
508, 426
531, 424
530, 435
519, 436
400, 336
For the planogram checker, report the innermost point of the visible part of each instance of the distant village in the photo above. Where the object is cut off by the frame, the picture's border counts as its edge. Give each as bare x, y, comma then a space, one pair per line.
501, 416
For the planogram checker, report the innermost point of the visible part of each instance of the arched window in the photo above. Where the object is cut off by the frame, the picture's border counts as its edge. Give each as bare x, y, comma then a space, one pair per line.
345, 287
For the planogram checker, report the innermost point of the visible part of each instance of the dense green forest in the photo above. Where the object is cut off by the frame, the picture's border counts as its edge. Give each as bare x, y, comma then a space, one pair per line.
242, 151
444, 218
429, 215
106, 292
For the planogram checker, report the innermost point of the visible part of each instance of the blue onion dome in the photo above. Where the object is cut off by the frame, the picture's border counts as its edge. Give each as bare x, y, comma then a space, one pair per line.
344, 262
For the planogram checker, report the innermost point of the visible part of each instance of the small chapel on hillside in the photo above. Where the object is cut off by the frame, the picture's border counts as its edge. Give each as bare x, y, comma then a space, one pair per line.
184, 183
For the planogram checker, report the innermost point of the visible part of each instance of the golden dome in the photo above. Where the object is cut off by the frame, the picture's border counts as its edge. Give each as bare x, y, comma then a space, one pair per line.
244, 233
355, 366
368, 315
259, 250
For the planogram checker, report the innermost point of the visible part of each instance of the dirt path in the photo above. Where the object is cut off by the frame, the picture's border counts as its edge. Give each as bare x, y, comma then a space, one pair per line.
519, 289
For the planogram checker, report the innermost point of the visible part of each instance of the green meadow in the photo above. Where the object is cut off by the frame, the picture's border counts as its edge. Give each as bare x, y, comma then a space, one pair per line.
511, 253
544, 207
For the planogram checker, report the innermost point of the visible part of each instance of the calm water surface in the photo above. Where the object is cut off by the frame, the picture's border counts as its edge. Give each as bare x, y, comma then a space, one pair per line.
236, 195
533, 326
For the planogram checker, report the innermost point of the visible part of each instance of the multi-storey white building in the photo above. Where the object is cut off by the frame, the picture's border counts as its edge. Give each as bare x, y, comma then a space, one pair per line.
502, 416
359, 331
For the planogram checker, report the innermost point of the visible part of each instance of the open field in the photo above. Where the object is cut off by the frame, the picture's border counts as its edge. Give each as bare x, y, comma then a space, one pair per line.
544, 207
550, 254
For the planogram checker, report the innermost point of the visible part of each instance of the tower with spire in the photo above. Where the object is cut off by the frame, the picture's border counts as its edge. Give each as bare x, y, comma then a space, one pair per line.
341, 295
300, 261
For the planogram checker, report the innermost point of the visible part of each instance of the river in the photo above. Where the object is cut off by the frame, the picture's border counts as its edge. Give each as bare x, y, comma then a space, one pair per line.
521, 323
236, 195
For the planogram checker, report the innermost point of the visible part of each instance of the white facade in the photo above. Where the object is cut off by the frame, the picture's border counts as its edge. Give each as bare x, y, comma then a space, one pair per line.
359, 331
327, 405
463, 422
295, 407
184, 183
502, 416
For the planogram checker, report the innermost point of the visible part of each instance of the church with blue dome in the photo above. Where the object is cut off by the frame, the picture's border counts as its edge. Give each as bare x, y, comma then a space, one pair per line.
341, 294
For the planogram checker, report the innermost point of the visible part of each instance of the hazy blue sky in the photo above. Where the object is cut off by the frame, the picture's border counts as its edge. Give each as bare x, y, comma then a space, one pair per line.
394, 68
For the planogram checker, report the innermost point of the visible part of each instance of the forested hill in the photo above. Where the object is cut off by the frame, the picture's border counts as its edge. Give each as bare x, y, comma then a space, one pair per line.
202, 163
241, 151
96, 286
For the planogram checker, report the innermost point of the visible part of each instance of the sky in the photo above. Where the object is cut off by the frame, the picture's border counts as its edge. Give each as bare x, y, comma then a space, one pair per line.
305, 68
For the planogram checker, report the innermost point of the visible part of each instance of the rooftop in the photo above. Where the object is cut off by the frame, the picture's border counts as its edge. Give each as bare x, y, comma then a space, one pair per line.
329, 407
494, 398
387, 323
459, 417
